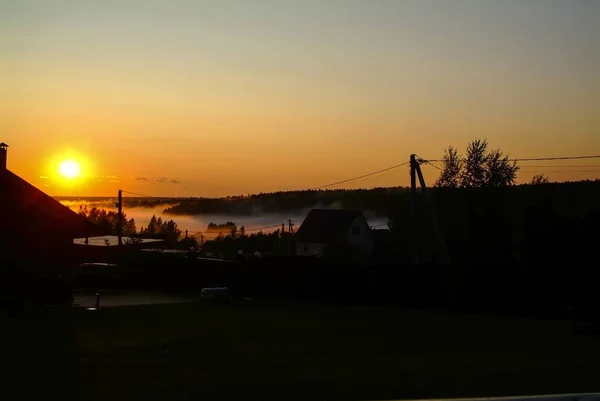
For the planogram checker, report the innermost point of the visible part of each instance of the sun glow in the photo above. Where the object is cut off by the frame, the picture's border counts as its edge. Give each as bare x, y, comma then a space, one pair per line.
69, 169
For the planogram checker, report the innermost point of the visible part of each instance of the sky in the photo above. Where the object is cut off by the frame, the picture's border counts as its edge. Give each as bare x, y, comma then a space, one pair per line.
207, 98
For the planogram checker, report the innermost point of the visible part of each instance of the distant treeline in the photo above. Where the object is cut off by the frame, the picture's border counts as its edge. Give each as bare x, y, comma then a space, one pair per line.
128, 202
378, 200
382, 202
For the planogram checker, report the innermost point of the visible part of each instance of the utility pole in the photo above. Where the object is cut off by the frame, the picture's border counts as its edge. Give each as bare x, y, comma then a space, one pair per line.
290, 225
120, 217
281, 237
438, 233
413, 211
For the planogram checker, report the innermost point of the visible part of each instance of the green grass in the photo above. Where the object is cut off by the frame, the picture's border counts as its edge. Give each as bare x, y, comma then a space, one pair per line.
301, 351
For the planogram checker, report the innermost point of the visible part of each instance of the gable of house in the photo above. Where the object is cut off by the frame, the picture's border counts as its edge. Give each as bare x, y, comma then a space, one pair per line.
27, 211
327, 226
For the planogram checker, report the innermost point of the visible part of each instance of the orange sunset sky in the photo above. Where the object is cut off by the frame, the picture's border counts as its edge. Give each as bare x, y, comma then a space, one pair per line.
212, 98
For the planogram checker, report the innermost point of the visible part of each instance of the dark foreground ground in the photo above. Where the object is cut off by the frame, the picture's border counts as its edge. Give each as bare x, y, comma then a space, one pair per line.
290, 352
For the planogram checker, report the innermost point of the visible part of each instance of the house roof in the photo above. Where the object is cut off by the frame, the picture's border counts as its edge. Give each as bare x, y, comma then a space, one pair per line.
326, 225
28, 211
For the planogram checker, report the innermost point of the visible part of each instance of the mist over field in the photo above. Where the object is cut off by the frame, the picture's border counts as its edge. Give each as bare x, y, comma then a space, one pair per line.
199, 223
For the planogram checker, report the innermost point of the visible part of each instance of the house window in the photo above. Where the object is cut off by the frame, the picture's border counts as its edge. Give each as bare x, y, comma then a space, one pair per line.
305, 247
356, 230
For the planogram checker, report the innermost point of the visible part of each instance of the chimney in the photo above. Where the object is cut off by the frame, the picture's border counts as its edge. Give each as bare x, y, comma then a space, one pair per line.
3, 152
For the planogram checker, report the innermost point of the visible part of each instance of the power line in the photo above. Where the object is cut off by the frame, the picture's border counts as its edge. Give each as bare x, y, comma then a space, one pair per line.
531, 159
429, 162
315, 188
560, 171
217, 233
134, 193
563, 166
359, 177
261, 228
433, 165
555, 158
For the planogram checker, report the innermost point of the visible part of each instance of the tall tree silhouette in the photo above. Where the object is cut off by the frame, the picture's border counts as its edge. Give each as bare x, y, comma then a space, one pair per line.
108, 219
474, 172
452, 171
478, 168
499, 170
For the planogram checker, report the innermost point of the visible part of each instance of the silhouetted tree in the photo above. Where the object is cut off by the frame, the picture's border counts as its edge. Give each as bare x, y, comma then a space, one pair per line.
233, 232
539, 179
164, 229
109, 220
129, 227
499, 170
474, 171
153, 226
451, 173
478, 168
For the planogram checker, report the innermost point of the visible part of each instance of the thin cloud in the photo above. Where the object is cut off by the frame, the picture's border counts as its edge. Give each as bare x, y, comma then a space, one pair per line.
162, 179
140, 178
175, 181
43, 177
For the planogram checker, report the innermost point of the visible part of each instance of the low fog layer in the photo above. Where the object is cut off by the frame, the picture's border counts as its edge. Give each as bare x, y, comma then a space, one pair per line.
199, 223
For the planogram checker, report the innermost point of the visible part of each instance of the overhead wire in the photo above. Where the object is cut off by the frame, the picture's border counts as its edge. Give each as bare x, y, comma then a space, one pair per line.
430, 162
312, 189
562, 166
530, 159
560, 171
433, 165
261, 228
137, 194
555, 158
359, 177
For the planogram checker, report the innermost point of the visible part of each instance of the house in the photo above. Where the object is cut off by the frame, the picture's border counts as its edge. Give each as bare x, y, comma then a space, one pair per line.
35, 229
330, 229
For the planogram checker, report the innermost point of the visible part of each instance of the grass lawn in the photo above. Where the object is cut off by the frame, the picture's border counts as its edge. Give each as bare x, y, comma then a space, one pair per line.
301, 351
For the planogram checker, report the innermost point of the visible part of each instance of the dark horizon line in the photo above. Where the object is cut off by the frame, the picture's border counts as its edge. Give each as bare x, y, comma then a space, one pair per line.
78, 197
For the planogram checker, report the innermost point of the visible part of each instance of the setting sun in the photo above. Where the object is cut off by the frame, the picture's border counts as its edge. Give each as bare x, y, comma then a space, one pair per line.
69, 169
